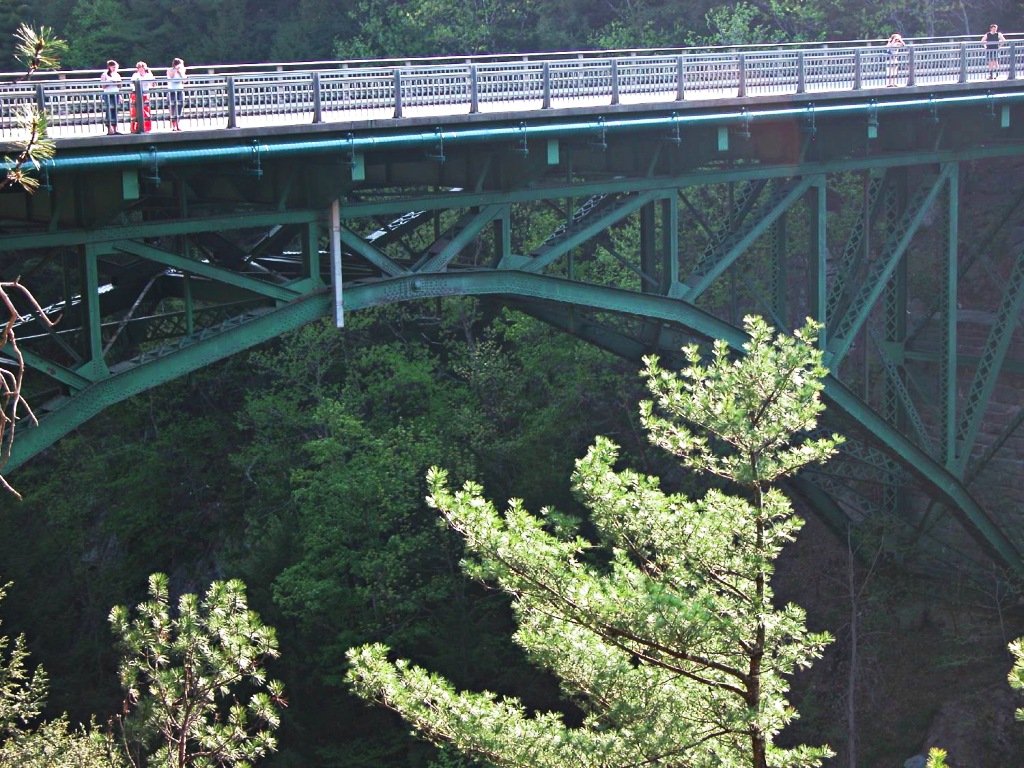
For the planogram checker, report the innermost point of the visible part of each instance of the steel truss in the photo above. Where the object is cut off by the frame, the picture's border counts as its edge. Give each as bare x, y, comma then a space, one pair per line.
636, 242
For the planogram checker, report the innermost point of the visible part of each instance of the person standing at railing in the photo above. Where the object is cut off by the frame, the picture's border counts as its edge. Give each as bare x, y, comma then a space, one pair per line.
993, 40
111, 80
893, 50
176, 77
141, 80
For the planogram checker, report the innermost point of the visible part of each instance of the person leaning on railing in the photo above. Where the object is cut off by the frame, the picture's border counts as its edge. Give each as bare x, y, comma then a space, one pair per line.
993, 40
893, 51
111, 80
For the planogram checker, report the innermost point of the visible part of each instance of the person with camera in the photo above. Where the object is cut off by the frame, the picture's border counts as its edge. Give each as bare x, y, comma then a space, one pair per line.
176, 77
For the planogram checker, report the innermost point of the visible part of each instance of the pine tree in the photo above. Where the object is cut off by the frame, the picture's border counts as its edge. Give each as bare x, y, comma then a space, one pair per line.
22, 692
24, 743
1016, 675
182, 675
663, 632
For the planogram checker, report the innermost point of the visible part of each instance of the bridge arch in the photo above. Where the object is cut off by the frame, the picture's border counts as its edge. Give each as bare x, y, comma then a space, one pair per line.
511, 288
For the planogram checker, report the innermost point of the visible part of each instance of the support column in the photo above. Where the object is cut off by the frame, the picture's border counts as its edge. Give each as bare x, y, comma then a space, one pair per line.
894, 319
648, 247
186, 253
310, 238
95, 366
502, 238
895, 305
336, 276
669, 243
948, 366
780, 273
817, 256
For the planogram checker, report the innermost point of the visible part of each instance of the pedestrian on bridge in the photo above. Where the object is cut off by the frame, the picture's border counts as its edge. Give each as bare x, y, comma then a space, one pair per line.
111, 80
176, 77
894, 46
141, 80
993, 40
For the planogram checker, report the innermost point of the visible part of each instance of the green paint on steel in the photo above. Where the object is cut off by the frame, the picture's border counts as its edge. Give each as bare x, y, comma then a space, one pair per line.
585, 229
103, 235
205, 269
153, 156
948, 350
516, 285
996, 348
734, 246
377, 258
845, 328
580, 189
189, 357
459, 237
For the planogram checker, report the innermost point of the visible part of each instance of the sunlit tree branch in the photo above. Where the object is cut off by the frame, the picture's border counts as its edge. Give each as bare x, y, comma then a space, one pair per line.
38, 49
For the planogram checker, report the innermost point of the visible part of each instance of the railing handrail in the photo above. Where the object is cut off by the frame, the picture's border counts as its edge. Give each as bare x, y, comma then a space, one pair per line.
437, 87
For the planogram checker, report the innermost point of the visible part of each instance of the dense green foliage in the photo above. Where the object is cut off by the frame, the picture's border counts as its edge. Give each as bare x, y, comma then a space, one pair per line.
22, 692
25, 742
1016, 676
182, 676
299, 468
211, 31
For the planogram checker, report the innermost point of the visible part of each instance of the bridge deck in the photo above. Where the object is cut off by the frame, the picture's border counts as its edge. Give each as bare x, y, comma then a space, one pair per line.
446, 92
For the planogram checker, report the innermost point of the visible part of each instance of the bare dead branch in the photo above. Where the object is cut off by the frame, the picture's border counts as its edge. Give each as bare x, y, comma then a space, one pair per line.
13, 406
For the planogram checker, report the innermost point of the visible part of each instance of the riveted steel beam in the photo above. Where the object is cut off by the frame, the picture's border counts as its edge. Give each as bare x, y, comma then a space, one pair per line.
845, 328
184, 264
707, 270
996, 348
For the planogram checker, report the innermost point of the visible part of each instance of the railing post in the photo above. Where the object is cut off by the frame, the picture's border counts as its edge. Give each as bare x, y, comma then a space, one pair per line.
741, 75
40, 98
546, 84
963, 63
232, 103
318, 106
911, 67
801, 72
615, 81
140, 108
680, 77
1012, 74
398, 92
858, 72
474, 90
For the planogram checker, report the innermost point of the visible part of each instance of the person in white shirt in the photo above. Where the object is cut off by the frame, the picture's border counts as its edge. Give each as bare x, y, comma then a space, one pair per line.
176, 77
111, 80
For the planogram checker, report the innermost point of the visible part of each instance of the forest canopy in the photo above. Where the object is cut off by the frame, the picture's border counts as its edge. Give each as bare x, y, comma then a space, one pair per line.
212, 31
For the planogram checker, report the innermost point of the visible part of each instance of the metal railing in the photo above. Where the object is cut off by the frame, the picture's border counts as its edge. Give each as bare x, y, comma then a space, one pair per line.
75, 105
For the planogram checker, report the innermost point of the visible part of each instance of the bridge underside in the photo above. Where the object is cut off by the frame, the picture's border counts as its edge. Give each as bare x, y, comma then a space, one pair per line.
636, 237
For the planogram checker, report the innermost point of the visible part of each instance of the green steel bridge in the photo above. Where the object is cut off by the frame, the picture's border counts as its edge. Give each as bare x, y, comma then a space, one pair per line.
801, 187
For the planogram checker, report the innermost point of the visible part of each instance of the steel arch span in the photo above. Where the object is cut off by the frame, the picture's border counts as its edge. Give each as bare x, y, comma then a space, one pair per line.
546, 297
